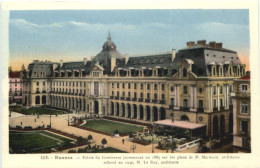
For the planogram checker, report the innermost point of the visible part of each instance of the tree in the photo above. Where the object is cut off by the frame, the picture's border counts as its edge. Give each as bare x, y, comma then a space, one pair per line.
23, 67
104, 141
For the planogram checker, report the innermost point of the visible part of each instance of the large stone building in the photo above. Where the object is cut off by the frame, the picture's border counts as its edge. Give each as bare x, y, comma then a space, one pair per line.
193, 84
241, 110
15, 87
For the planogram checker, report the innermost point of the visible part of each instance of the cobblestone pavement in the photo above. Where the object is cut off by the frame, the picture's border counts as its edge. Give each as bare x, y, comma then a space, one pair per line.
60, 122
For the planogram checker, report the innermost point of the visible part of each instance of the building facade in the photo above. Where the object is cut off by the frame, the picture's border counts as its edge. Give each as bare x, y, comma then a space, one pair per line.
192, 84
241, 109
15, 88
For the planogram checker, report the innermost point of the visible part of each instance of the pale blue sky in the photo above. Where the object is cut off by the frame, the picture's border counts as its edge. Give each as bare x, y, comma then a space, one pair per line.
72, 34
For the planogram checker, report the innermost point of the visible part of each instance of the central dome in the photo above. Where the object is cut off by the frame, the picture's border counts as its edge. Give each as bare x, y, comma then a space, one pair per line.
109, 45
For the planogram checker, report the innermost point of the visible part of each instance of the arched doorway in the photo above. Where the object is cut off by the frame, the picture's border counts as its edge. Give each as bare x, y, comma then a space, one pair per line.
123, 109
141, 109
155, 114
185, 118
230, 123
43, 99
128, 111
96, 107
215, 127
162, 114
117, 109
37, 100
135, 111
112, 108
222, 125
148, 113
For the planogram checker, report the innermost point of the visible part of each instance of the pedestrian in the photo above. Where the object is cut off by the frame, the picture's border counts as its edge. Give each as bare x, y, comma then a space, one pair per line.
123, 140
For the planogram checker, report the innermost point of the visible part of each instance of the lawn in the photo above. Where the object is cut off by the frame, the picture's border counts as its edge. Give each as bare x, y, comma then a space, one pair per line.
35, 110
36, 141
110, 126
110, 150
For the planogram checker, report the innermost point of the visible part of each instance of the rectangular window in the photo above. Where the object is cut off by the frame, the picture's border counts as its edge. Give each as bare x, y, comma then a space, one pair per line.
117, 94
112, 85
148, 95
123, 85
214, 90
155, 86
129, 94
185, 90
185, 103
244, 108
200, 104
172, 101
155, 96
37, 83
244, 88
134, 85
244, 126
214, 103
163, 96
117, 85
220, 90
123, 94
141, 95
141, 86
129, 86
221, 102
112, 93
135, 95
163, 87
43, 83
172, 89
148, 86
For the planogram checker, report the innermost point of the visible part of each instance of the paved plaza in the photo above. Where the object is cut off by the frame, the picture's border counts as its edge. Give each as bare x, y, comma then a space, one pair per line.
60, 122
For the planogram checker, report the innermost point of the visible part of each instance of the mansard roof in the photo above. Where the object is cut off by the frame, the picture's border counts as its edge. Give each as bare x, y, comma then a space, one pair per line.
150, 61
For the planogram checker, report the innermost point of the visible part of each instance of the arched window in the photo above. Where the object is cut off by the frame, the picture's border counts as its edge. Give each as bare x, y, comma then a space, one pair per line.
184, 72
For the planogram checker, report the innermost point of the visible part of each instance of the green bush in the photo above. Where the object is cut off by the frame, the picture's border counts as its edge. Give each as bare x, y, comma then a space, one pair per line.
116, 131
72, 151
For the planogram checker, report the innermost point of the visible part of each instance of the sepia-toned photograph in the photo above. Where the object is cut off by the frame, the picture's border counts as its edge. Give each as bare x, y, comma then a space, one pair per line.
132, 81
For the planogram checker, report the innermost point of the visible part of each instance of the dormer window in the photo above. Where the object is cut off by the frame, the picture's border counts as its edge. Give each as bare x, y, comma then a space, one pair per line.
184, 72
95, 74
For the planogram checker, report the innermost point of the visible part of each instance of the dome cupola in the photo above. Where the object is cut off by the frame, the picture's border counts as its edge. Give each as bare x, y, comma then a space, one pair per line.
109, 44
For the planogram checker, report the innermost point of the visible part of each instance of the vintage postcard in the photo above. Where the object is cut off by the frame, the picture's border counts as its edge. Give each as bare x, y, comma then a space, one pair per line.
98, 84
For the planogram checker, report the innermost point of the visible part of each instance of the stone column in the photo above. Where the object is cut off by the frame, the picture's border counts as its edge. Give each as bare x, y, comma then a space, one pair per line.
100, 107
195, 97
191, 97
228, 96
145, 113
225, 96
120, 110
132, 111
176, 97
126, 111
218, 102
151, 114
138, 112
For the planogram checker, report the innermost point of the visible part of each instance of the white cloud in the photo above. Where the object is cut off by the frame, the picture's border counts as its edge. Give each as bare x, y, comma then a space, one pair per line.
219, 27
29, 27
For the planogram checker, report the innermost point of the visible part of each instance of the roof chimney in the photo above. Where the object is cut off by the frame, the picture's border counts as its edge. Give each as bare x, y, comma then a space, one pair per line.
219, 45
126, 60
61, 63
201, 42
190, 43
212, 44
85, 61
173, 54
